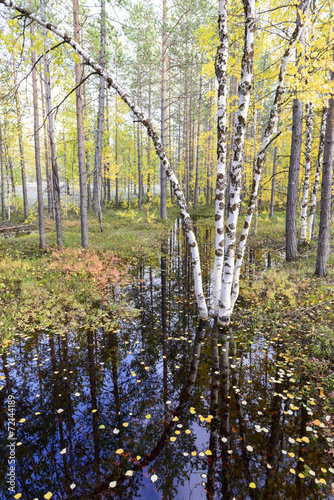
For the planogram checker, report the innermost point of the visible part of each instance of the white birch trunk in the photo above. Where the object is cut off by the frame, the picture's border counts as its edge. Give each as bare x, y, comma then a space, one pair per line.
268, 136
317, 173
187, 222
221, 73
225, 305
308, 150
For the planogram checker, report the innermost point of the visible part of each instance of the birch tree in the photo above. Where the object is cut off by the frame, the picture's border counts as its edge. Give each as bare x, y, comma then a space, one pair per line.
308, 150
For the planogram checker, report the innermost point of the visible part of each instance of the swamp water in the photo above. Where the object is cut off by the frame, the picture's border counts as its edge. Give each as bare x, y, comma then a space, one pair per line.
159, 409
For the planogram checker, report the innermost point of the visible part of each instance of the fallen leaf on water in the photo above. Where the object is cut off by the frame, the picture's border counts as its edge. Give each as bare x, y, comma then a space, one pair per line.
305, 439
301, 475
173, 438
112, 484
208, 452
129, 473
102, 427
148, 416
72, 486
22, 420
59, 411
252, 485
323, 481
48, 495
154, 477
291, 454
292, 471
18, 495
188, 431
316, 422
125, 424
119, 451
63, 451
249, 448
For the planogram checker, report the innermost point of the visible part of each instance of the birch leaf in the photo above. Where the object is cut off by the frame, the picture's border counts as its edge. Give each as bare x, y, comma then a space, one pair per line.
48, 495
154, 477
112, 484
62, 452
252, 485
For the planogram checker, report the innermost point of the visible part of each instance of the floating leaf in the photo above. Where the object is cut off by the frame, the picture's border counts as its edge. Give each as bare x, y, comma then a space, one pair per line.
18, 495
48, 495
292, 471
59, 411
291, 454
154, 477
129, 473
119, 451
194, 453
148, 416
322, 481
252, 485
63, 451
249, 448
94, 411
316, 422
102, 427
116, 431
301, 475
173, 438
112, 484
77, 394
188, 431
208, 452
125, 424
22, 420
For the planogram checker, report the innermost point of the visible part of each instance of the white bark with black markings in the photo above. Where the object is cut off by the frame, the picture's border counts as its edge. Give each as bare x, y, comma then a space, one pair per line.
308, 150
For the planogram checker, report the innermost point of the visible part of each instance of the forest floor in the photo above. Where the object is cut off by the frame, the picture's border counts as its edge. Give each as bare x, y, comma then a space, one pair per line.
287, 303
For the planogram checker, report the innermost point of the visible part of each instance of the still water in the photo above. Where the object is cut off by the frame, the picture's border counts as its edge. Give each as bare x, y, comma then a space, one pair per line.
157, 407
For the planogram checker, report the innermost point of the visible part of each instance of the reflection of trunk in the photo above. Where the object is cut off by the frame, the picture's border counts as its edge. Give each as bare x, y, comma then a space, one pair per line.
93, 398
164, 320
185, 397
317, 174
224, 368
19, 123
214, 423
41, 223
308, 150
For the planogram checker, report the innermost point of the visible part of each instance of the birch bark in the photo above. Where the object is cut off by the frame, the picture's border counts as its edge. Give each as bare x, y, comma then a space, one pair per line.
163, 195
308, 150
3, 206
221, 73
186, 219
267, 139
317, 173
225, 305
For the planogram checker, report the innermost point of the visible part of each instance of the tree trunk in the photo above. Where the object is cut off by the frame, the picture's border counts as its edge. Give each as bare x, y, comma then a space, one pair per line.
292, 197
221, 73
197, 139
186, 219
22, 161
80, 134
55, 176
3, 206
163, 189
41, 223
326, 191
84, 112
99, 131
267, 139
138, 147
149, 139
225, 305
317, 174
272, 198
46, 153
308, 150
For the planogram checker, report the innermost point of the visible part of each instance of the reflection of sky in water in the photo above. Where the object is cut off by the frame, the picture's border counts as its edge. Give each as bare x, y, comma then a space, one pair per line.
99, 370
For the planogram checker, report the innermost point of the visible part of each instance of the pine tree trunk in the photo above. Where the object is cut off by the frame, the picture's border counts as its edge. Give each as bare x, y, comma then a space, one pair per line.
163, 189
54, 166
317, 174
308, 150
99, 132
272, 198
326, 191
197, 140
221, 74
293, 182
41, 223
3, 205
22, 161
80, 135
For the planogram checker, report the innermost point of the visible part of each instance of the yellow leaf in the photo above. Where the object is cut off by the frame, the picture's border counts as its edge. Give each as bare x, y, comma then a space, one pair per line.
323, 481
208, 452
305, 439
119, 451
18, 495
175, 419
148, 416
48, 495
316, 422
22, 420
102, 427
291, 454
252, 485
125, 424
188, 431
301, 475
173, 438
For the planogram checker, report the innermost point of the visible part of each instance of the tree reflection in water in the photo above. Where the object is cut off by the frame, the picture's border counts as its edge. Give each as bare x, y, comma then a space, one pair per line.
152, 398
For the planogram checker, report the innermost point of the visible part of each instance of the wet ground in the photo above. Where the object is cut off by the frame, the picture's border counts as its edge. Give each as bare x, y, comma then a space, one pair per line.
157, 407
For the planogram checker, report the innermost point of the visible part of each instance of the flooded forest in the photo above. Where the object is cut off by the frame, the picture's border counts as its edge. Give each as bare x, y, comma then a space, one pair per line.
166, 250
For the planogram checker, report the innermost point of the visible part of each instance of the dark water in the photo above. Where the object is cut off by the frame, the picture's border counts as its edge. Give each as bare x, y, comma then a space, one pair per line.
159, 408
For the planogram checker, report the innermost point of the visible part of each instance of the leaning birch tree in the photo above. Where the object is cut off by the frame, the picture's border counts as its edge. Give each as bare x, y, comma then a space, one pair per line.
228, 288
